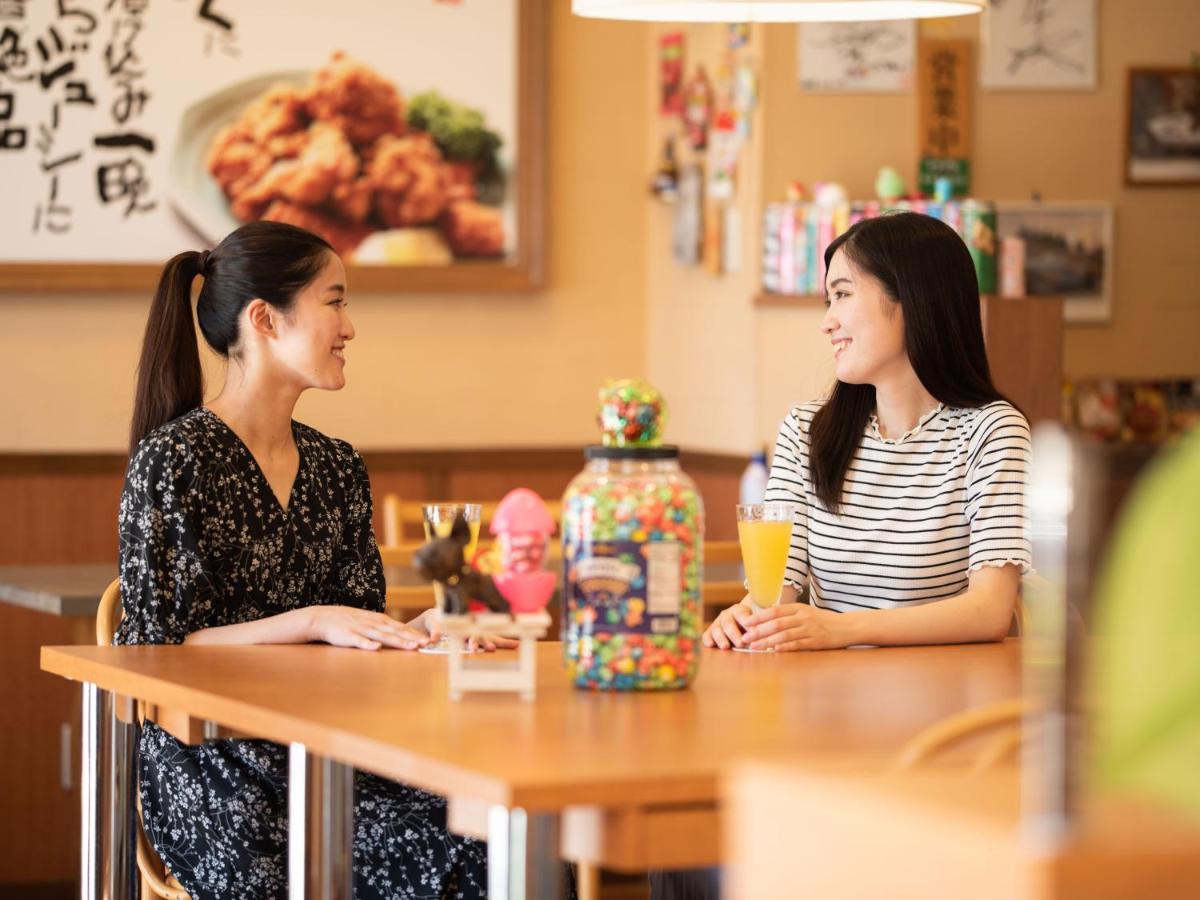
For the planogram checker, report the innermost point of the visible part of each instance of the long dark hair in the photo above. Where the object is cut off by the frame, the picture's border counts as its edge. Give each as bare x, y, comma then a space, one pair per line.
263, 260
923, 265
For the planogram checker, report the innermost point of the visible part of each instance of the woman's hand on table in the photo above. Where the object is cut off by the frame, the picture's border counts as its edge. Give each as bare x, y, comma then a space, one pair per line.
489, 642
795, 626
346, 626
727, 628
429, 622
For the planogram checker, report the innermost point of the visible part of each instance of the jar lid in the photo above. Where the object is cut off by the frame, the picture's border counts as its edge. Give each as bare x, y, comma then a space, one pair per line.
597, 451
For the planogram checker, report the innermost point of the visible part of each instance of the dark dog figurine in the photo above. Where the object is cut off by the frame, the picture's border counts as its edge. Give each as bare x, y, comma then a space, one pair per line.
442, 560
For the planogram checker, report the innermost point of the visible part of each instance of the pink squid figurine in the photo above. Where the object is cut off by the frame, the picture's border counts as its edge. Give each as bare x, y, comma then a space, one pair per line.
522, 526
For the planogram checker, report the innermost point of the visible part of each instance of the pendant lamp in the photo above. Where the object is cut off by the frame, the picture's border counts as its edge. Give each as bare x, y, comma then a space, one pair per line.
773, 10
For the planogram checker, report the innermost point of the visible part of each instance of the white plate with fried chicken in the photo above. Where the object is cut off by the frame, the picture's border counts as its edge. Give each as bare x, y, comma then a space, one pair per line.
334, 152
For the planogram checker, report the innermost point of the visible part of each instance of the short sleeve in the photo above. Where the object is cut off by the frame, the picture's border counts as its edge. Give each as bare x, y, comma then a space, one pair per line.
164, 581
997, 473
788, 482
359, 570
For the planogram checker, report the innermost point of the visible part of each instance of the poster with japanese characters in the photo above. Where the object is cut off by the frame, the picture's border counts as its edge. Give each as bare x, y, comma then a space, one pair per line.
405, 133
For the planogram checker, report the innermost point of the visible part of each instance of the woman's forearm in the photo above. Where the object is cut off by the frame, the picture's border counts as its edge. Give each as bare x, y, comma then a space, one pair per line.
978, 614
292, 627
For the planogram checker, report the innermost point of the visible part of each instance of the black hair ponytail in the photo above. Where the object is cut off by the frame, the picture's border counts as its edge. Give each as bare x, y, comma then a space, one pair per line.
169, 379
270, 261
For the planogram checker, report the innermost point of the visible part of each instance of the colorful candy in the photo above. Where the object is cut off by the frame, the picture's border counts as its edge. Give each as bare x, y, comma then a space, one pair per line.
632, 414
633, 539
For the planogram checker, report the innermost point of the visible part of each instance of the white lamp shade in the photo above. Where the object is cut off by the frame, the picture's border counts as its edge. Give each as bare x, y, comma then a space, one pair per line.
773, 10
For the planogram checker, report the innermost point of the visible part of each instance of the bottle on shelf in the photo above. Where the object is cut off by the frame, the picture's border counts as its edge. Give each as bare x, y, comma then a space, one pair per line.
754, 480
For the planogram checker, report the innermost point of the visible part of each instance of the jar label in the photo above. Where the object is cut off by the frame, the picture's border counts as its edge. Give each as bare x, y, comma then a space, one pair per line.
625, 586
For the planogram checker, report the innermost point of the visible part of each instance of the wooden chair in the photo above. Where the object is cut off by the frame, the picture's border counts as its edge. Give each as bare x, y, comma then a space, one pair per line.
156, 880
998, 725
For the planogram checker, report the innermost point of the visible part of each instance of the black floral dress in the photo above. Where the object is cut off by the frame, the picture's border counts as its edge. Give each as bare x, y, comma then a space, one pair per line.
204, 542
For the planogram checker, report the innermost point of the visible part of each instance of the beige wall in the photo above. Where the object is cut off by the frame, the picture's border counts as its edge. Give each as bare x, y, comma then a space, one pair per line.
700, 345
522, 370
430, 371
1067, 145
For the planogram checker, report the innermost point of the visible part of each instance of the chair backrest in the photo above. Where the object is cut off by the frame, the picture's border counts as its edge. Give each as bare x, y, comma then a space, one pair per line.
155, 879
108, 614
999, 722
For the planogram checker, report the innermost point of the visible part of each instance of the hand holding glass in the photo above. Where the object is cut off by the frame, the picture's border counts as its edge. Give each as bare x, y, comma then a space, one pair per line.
765, 534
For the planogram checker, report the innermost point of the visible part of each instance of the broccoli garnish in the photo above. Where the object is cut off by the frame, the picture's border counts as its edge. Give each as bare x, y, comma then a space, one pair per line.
459, 132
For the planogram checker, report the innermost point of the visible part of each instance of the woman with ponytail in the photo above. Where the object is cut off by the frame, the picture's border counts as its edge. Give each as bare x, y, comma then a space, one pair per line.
239, 525
910, 477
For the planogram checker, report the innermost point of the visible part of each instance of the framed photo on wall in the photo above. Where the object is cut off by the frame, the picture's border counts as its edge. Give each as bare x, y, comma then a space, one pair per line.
1162, 133
410, 136
857, 57
1039, 45
1068, 254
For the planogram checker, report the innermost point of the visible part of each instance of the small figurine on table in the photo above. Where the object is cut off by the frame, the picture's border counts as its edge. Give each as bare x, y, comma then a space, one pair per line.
520, 586
444, 560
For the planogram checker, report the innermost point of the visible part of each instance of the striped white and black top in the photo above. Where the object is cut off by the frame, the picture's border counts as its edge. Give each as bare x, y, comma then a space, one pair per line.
919, 513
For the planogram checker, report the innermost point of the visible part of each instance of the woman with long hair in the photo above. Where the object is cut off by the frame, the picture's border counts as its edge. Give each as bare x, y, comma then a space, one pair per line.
910, 477
239, 525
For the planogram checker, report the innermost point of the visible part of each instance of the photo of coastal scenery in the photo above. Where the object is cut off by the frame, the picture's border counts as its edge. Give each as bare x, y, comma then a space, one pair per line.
1067, 254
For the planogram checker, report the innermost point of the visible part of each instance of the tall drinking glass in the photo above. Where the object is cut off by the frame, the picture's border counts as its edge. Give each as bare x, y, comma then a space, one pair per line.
438, 519
765, 534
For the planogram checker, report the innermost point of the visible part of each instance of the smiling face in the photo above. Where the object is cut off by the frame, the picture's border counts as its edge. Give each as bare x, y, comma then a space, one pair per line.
865, 326
311, 337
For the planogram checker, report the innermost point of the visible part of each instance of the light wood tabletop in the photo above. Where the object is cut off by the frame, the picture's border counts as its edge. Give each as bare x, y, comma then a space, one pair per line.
628, 781
943, 832
389, 712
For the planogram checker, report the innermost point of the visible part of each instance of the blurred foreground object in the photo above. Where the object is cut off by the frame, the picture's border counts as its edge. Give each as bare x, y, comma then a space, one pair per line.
1146, 677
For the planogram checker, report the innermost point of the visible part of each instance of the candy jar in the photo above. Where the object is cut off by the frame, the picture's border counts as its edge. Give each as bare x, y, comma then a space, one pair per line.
633, 543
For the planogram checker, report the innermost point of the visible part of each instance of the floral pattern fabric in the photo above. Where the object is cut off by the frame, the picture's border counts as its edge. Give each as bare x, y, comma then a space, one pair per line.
204, 542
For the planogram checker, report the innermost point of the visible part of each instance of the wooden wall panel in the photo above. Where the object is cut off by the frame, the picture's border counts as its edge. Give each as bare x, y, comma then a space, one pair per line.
39, 835
718, 479
59, 515
1024, 338
63, 509
407, 485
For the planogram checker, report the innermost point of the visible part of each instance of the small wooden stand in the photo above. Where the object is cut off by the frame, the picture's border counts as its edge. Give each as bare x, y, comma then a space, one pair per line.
468, 674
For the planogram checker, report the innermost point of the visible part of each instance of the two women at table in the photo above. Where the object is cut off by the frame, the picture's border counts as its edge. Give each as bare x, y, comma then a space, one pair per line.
239, 525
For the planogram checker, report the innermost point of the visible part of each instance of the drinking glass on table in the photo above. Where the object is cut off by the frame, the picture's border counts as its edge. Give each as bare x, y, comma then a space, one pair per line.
438, 519
765, 534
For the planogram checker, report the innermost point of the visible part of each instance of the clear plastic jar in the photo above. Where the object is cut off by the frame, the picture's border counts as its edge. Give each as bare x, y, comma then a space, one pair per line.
633, 545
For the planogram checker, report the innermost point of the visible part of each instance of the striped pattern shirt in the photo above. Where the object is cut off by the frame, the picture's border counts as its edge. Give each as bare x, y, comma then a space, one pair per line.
919, 513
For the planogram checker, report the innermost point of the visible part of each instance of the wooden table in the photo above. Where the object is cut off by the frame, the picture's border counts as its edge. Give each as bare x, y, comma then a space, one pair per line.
628, 781
942, 833
61, 590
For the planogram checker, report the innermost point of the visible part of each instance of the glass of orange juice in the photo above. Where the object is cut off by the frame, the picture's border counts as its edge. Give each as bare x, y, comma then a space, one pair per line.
438, 519
765, 534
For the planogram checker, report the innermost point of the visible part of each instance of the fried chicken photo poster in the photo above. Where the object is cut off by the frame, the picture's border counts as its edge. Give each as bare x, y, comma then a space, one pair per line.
130, 129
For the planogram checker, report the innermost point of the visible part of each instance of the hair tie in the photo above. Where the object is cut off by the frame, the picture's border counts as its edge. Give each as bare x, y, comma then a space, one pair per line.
202, 261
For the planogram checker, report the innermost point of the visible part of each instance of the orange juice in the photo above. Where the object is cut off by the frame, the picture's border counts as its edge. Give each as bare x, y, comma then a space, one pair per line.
764, 554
